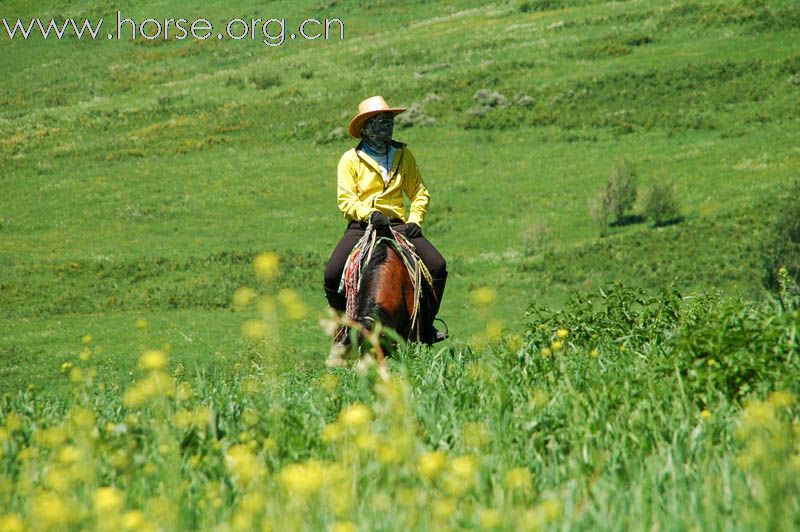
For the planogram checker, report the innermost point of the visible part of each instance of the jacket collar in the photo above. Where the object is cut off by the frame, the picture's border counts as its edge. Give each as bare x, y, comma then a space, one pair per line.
369, 161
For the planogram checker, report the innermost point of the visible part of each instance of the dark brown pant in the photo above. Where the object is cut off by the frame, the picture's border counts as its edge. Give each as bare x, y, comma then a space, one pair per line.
432, 259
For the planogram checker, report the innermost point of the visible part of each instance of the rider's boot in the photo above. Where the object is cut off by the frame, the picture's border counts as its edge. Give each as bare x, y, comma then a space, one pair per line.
341, 339
438, 288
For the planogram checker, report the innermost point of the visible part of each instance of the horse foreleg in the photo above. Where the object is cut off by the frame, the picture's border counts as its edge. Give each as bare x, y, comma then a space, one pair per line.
380, 356
373, 328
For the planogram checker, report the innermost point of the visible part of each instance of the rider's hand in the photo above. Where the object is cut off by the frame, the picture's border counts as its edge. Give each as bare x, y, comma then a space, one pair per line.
378, 220
413, 230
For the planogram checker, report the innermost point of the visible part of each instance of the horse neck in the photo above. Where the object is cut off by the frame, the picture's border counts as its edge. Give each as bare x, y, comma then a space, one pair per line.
385, 288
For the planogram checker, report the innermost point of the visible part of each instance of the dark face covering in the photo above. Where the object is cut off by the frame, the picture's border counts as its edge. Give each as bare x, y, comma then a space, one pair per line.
377, 132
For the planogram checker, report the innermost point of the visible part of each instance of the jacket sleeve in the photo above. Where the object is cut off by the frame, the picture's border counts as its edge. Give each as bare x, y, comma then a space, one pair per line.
347, 196
415, 189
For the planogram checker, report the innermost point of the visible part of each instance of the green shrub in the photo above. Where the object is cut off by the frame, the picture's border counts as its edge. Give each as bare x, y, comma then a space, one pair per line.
533, 238
621, 189
782, 246
660, 204
265, 81
600, 209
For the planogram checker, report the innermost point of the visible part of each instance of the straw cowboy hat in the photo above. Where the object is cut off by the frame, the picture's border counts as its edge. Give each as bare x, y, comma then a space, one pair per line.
367, 108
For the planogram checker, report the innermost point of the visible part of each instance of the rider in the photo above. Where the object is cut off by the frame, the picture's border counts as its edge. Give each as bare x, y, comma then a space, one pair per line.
372, 179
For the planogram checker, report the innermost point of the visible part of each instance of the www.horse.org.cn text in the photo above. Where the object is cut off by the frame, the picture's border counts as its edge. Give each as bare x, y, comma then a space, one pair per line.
269, 31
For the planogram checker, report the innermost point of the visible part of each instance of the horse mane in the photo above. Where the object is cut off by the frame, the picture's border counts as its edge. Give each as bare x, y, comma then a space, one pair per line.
367, 306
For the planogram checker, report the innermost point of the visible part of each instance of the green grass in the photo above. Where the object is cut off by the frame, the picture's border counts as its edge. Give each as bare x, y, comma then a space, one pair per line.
138, 181
622, 412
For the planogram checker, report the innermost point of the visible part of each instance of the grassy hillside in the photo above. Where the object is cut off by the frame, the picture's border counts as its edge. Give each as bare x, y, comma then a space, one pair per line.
140, 178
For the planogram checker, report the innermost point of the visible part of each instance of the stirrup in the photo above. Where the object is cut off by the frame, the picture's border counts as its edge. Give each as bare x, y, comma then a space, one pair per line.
439, 336
342, 337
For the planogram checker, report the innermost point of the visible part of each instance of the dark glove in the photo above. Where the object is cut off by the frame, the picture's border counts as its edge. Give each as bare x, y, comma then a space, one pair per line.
413, 230
378, 220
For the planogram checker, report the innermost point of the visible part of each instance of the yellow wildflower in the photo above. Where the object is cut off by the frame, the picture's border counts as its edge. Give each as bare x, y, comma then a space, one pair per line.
551, 509
519, 478
243, 465
489, 518
464, 467
50, 511
183, 391
294, 306
494, 329
107, 500
250, 417
388, 454
557, 345
266, 266
265, 305
243, 297
475, 434
355, 416
253, 502
153, 359
51, 437
11, 523
254, 329
483, 297
269, 444
331, 432
133, 520
303, 479
329, 382
562, 333
781, 399
69, 454
87, 338
431, 464
537, 399
345, 526
367, 441
444, 508
141, 325
705, 414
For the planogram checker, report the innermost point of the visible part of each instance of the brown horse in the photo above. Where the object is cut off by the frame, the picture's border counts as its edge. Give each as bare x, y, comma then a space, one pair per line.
387, 296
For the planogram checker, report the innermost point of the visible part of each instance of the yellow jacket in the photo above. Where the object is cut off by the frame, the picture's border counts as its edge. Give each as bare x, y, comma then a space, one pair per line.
361, 189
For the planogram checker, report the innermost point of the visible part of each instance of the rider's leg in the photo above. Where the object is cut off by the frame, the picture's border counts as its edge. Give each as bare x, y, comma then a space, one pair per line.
437, 267
335, 266
333, 274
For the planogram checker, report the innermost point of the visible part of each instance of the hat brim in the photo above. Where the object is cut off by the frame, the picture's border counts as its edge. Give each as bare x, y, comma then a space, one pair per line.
354, 128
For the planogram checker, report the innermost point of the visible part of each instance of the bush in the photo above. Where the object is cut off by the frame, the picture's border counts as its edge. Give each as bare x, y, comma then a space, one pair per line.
600, 209
782, 249
265, 81
621, 189
533, 238
660, 204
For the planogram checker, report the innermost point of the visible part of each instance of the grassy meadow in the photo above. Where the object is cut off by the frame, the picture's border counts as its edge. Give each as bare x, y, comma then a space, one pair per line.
644, 379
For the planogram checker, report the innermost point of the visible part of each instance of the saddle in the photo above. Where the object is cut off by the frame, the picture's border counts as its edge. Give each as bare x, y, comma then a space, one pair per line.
422, 314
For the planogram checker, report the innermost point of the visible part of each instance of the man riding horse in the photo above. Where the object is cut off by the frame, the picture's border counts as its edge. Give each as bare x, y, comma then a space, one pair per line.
372, 179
